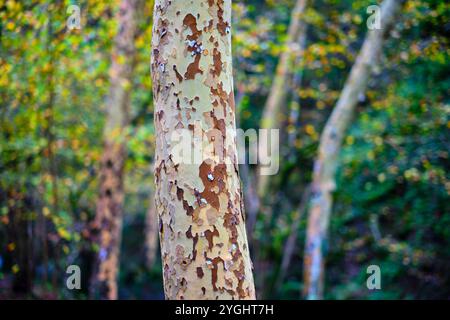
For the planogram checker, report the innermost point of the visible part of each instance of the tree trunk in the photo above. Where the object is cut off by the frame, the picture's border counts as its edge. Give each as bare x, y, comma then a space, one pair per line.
273, 113
204, 247
289, 246
294, 107
110, 202
151, 233
325, 165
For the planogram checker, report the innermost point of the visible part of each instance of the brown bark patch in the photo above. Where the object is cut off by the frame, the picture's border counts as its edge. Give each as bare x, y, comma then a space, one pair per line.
193, 68
217, 60
194, 242
223, 26
240, 275
214, 265
219, 124
191, 22
200, 273
231, 101
177, 74
209, 235
212, 178
222, 96
180, 196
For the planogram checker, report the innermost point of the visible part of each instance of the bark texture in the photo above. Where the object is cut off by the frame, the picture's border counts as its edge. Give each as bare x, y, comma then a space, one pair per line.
204, 247
273, 110
331, 139
109, 212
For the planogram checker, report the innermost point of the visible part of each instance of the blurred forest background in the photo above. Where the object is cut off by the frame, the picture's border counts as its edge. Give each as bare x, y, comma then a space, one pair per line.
391, 203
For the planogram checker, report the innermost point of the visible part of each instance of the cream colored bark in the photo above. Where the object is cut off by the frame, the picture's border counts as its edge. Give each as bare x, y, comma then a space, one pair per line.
108, 220
204, 247
326, 163
273, 110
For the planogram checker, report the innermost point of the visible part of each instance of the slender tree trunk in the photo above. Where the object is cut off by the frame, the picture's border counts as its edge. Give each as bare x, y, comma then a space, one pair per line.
204, 247
151, 233
273, 110
110, 202
325, 165
289, 247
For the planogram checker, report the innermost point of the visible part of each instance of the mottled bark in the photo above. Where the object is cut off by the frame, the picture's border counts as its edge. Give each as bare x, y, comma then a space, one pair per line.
109, 212
273, 110
204, 247
325, 165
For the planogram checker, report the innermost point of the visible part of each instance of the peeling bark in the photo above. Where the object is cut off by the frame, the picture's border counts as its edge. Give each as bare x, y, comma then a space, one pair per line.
273, 113
108, 220
204, 247
325, 165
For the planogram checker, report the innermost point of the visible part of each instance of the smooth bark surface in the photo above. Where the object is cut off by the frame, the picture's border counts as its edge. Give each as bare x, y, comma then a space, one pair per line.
204, 247
109, 212
331, 139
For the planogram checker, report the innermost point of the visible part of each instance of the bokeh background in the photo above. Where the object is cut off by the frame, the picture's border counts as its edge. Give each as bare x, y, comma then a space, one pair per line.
391, 206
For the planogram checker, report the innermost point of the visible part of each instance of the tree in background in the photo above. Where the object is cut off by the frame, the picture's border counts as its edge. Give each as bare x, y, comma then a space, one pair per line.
323, 183
151, 233
274, 112
204, 247
109, 213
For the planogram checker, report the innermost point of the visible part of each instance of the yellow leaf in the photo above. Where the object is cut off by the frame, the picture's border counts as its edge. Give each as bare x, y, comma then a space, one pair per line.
45, 212
15, 269
310, 129
350, 140
11, 246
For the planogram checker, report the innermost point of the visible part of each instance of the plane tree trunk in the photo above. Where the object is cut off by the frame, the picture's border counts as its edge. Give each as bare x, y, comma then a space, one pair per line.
204, 247
109, 213
273, 110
